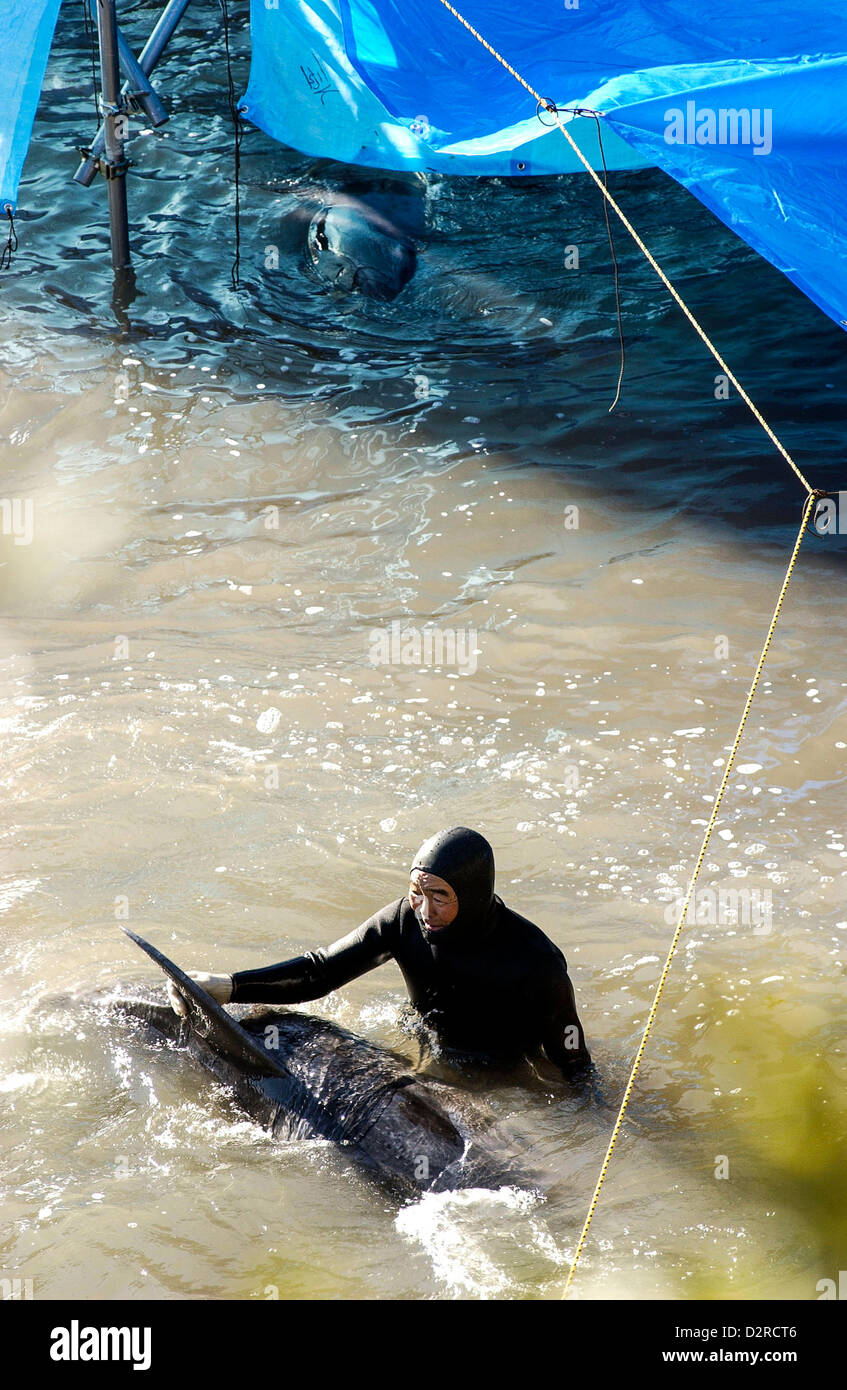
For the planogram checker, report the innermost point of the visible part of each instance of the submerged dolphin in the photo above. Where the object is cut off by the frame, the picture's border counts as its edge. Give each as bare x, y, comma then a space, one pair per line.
303, 1077
354, 247
356, 234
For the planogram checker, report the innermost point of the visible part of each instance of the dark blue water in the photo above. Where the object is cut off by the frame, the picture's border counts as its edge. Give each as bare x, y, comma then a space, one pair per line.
491, 269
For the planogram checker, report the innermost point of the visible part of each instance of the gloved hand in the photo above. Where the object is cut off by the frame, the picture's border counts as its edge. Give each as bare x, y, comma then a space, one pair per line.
219, 986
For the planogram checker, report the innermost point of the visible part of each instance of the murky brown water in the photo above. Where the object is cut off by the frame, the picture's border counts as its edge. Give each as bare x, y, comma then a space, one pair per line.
196, 741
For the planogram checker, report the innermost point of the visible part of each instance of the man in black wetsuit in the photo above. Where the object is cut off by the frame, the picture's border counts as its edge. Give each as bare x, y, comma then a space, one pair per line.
484, 979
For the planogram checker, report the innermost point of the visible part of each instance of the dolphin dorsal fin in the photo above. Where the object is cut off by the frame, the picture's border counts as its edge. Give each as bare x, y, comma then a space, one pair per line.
212, 1022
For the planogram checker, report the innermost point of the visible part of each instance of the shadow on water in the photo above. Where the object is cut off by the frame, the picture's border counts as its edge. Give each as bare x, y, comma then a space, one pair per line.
506, 339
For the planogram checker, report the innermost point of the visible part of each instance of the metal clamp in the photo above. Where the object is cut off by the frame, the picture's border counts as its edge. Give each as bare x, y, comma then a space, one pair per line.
112, 108
113, 170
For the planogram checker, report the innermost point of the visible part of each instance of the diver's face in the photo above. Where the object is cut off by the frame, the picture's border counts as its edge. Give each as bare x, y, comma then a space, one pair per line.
433, 899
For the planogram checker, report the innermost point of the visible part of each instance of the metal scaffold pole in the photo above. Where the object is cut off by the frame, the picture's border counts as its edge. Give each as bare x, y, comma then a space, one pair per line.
113, 160
138, 90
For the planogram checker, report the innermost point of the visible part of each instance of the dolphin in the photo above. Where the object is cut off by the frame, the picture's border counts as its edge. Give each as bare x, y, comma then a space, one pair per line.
303, 1077
357, 235
354, 247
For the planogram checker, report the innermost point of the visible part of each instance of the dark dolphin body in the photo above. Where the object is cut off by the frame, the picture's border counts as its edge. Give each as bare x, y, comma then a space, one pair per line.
355, 247
302, 1077
358, 235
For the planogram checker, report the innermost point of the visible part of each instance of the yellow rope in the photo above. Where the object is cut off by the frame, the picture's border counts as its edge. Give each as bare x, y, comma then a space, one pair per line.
639, 243
810, 502
812, 496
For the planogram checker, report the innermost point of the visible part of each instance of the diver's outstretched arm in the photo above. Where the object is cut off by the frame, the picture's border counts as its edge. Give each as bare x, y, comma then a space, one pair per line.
318, 972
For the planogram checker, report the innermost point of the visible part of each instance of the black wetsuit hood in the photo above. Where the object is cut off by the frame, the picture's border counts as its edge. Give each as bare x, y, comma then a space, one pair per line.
465, 860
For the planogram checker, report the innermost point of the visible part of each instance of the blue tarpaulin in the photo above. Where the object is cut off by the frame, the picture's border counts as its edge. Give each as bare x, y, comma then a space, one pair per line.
27, 28
742, 101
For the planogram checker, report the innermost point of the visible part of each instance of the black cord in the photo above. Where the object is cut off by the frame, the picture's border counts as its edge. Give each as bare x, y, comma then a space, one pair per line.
12, 241
91, 35
614, 265
237, 134
550, 106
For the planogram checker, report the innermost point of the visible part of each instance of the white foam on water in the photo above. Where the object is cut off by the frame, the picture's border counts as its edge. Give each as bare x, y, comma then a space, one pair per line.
16, 889
480, 1240
268, 720
22, 1081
